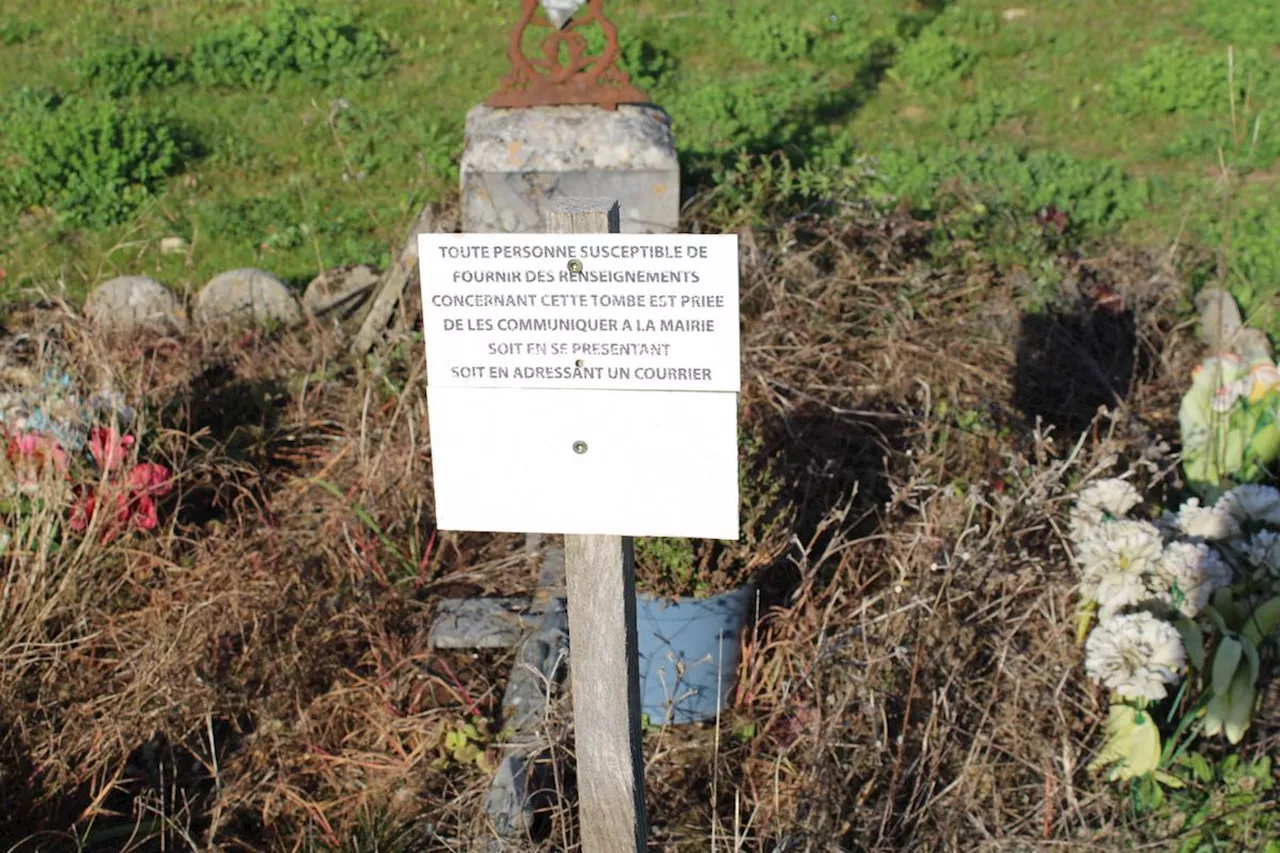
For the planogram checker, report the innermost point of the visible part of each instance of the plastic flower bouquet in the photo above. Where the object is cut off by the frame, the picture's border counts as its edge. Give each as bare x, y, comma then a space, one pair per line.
1187, 599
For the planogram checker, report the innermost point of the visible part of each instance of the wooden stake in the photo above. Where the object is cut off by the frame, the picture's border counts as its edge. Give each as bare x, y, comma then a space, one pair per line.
604, 669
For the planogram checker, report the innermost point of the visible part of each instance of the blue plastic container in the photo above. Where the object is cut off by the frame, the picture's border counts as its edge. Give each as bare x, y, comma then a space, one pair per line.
689, 654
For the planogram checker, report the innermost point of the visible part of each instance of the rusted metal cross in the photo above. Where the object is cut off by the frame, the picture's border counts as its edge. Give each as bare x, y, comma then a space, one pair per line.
565, 73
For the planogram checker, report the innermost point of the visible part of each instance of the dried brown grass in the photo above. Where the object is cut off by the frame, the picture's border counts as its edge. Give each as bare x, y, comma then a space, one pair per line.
257, 676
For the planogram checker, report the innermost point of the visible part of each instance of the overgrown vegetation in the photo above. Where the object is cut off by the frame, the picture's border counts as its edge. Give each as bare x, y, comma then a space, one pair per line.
321, 47
94, 163
130, 69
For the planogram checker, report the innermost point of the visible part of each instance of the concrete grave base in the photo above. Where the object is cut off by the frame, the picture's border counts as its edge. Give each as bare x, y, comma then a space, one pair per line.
518, 160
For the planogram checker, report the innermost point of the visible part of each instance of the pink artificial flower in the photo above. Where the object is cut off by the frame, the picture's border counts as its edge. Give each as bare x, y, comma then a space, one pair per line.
108, 447
147, 481
37, 448
150, 478
82, 508
144, 513
31, 454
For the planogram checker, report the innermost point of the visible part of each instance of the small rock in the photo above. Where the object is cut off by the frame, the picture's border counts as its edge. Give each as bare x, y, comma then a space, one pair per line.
1014, 14
173, 246
133, 302
340, 290
246, 296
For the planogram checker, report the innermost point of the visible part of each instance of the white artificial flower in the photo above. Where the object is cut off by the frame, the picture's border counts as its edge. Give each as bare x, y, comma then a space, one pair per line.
1116, 560
1118, 590
1105, 500
1188, 574
1211, 523
1262, 552
1135, 656
1252, 502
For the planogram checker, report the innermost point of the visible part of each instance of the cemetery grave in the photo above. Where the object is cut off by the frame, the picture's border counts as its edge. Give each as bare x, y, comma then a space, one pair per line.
648, 472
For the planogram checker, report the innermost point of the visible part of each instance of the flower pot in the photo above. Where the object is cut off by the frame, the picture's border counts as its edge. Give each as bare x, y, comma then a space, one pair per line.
689, 653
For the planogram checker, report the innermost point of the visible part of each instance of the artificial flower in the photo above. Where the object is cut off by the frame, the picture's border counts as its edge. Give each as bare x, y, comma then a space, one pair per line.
108, 447
33, 456
1135, 656
1105, 500
1116, 560
1252, 502
134, 499
1262, 552
1211, 523
1187, 574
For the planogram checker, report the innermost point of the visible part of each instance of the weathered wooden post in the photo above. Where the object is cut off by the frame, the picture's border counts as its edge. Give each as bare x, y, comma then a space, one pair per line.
604, 668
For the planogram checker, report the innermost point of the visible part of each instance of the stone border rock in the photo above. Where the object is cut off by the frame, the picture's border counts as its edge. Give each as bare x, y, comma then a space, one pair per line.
131, 303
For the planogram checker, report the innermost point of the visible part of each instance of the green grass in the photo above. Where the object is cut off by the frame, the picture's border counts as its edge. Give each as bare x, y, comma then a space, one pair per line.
316, 131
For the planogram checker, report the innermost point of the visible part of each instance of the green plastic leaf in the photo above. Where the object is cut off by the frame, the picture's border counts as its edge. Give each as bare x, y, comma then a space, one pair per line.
1224, 603
1084, 621
1225, 663
1193, 641
1132, 744
1215, 715
1240, 711
1251, 654
1216, 617
1262, 621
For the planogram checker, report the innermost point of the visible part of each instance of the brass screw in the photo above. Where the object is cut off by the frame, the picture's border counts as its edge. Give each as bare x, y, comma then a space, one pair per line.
575, 266
579, 447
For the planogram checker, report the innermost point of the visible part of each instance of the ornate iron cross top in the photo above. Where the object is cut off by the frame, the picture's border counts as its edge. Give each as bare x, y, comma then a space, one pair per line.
581, 78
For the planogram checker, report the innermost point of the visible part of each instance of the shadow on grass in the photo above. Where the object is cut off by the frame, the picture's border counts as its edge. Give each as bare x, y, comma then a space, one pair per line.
1071, 362
827, 460
162, 801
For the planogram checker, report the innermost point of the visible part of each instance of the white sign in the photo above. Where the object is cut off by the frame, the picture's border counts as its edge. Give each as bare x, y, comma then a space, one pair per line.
583, 383
644, 312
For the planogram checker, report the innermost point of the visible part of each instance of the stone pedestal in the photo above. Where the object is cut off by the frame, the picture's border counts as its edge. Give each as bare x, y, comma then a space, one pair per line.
518, 160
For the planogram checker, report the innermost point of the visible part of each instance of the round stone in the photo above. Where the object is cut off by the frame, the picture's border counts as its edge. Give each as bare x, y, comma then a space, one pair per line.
246, 296
133, 302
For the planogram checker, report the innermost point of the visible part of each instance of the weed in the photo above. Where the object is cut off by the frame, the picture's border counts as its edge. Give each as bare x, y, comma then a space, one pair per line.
1252, 259
15, 32
974, 120
668, 564
752, 187
1096, 195
1176, 78
372, 139
934, 58
764, 34
93, 162
648, 65
130, 69
1222, 805
1205, 142
321, 47
1241, 21
962, 21
740, 115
